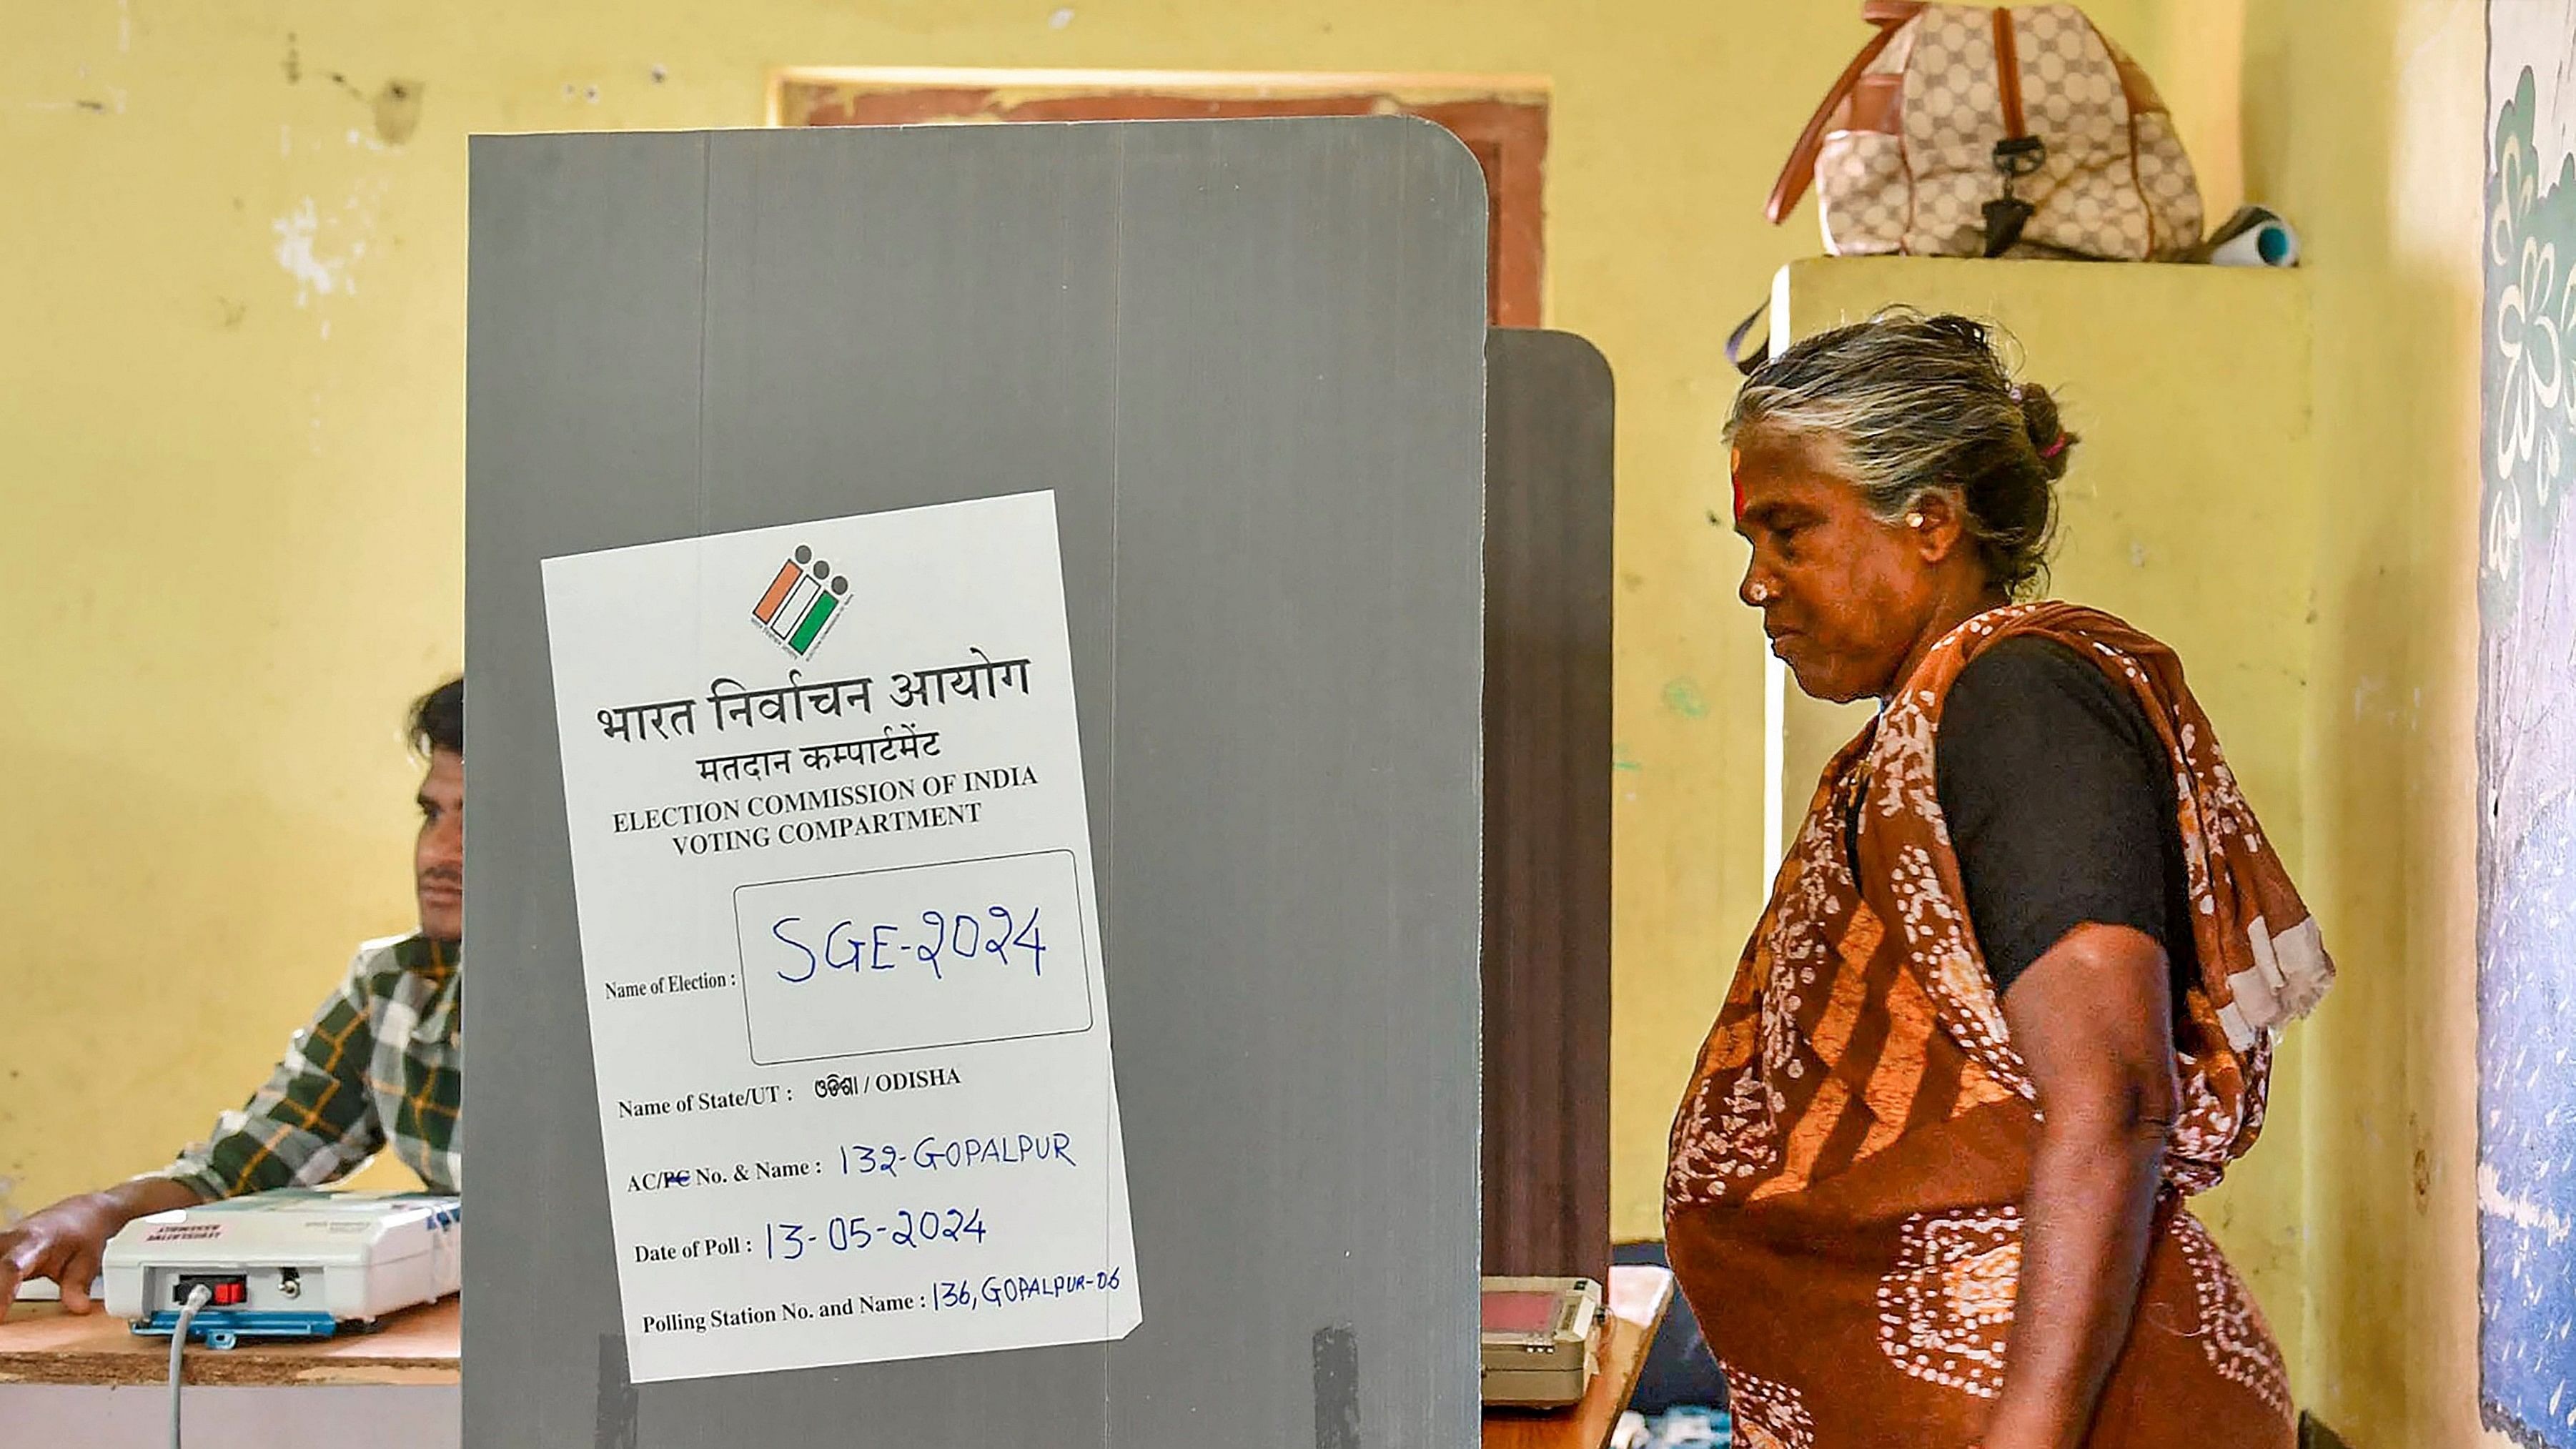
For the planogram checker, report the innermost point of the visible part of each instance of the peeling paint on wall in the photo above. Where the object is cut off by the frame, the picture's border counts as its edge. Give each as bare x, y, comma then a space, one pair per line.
297, 251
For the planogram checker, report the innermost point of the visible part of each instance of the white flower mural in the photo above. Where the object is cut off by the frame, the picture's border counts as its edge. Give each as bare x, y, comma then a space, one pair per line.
2526, 753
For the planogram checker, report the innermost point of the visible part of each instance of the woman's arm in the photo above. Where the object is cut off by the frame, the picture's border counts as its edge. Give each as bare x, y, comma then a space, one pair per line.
2093, 1021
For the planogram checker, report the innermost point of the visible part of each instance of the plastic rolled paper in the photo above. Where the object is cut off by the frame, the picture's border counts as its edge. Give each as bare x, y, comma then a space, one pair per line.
2257, 239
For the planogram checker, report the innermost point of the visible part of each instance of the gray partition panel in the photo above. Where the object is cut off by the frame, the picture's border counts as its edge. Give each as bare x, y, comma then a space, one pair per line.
1548, 447
1248, 356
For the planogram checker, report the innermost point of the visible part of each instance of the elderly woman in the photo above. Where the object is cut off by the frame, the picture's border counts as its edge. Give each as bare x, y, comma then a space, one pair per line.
2014, 995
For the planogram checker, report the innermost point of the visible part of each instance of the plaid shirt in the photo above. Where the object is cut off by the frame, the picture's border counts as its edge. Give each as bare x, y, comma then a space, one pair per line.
376, 1068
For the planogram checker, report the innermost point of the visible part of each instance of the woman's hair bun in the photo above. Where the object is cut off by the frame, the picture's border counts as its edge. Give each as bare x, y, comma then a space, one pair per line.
2048, 435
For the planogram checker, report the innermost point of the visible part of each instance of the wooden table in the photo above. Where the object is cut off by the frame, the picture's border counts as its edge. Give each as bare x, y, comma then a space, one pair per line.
86, 1379
71, 1379
40, 1344
1639, 1298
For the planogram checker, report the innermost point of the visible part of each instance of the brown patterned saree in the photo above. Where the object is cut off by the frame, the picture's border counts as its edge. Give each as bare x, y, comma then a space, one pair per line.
1842, 1202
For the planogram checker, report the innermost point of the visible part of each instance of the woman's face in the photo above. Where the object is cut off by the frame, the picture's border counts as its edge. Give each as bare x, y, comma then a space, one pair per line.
1844, 597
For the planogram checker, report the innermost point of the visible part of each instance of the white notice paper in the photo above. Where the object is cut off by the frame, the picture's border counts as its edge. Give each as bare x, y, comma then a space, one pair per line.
832, 863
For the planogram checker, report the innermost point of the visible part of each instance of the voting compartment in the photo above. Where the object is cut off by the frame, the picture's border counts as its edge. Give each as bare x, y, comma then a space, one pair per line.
974, 647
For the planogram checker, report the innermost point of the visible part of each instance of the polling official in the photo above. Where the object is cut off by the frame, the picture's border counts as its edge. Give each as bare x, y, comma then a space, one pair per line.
376, 1069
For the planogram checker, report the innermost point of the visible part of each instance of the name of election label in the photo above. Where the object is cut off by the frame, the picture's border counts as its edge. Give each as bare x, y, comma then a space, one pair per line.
832, 868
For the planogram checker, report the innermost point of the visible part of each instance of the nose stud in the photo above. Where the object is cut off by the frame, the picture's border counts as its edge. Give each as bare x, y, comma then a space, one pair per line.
1759, 593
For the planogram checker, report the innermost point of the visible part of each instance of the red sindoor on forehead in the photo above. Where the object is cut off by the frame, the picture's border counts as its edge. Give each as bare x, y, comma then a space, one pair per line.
1734, 476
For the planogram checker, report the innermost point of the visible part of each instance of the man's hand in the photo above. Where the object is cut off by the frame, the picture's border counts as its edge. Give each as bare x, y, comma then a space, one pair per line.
66, 1241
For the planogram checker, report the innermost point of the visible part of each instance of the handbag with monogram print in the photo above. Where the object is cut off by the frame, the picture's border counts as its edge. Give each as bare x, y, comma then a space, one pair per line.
1960, 131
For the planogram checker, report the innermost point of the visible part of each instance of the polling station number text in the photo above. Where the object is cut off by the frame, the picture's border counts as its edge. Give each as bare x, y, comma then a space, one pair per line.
906, 1228
1005, 1289
941, 940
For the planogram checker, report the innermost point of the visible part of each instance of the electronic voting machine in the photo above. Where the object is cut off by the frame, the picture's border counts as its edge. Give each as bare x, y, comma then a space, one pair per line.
294, 1263
1539, 1340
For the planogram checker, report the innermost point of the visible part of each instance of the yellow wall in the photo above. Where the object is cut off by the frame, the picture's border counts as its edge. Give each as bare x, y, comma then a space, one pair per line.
232, 429
2364, 122
2369, 131
230, 446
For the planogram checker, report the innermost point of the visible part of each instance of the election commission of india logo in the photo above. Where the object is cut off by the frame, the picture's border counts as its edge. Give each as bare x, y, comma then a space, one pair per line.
801, 603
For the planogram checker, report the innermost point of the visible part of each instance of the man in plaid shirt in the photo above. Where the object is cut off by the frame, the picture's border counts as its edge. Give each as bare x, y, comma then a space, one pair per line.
376, 1069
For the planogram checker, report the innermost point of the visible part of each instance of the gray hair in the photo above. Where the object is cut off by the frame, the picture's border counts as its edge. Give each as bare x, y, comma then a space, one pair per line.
1920, 406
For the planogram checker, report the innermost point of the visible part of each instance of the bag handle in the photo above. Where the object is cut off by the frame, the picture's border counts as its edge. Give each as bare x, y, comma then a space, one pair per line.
1889, 16
1749, 362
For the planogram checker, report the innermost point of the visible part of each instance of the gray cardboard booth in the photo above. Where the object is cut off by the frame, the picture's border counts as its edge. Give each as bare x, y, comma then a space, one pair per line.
1249, 358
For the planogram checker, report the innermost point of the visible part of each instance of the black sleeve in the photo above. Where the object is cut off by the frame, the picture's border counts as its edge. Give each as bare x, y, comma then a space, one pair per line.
2051, 781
